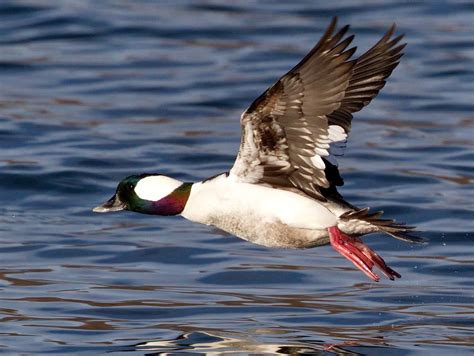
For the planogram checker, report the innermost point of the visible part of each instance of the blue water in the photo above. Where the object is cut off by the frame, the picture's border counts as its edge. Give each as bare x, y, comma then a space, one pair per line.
92, 91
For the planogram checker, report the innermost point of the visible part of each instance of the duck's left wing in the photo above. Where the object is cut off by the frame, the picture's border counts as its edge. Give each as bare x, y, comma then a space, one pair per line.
285, 132
288, 133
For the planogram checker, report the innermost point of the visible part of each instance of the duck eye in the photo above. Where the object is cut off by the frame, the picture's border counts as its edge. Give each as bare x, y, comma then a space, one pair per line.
130, 186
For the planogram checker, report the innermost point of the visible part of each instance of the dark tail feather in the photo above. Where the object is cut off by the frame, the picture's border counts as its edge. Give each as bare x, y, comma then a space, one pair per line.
403, 233
398, 230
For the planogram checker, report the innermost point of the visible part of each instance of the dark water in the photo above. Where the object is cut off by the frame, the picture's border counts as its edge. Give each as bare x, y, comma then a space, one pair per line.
91, 91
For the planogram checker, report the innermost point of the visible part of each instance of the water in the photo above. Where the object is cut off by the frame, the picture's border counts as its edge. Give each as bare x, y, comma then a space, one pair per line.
92, 91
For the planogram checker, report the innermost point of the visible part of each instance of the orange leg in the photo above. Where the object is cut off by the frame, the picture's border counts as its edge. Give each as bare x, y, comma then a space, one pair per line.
362, 256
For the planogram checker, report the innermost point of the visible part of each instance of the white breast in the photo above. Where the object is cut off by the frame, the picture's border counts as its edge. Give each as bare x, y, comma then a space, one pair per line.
223, 196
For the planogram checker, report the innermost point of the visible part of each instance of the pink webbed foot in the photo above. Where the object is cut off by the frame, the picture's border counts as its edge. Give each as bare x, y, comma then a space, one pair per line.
362, 256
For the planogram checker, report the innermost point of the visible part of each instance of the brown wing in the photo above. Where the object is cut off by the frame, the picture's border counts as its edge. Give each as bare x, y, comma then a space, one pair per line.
288, 130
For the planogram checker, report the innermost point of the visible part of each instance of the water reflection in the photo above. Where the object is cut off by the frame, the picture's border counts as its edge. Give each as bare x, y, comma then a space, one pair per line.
213, 343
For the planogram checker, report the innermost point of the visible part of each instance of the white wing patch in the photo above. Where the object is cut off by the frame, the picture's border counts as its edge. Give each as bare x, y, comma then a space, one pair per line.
338, 136
156, 187
332, 143
336, 133
318, 162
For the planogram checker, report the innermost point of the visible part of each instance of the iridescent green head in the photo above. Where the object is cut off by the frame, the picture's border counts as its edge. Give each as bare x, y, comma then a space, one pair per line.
148, 194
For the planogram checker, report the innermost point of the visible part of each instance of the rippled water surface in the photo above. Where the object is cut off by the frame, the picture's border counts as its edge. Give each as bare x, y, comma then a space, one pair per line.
92, 91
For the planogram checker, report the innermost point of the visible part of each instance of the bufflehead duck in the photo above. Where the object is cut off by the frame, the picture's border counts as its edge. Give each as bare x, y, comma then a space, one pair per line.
281, 191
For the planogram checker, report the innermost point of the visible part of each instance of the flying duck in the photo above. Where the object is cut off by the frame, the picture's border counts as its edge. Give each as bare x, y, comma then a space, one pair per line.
282, 189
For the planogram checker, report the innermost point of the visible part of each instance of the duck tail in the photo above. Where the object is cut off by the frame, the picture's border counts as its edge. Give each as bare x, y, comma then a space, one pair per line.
399, 231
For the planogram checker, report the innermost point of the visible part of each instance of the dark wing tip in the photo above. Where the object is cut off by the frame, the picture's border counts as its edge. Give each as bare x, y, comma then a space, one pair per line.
391, 30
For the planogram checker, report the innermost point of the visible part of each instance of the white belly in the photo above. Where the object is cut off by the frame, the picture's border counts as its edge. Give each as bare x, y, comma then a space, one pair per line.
222, 197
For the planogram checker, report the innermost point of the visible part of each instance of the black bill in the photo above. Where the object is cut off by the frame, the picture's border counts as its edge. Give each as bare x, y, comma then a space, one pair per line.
111, 205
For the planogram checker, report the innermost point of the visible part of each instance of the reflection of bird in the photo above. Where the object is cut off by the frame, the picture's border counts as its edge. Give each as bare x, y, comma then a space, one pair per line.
281, 191
211, 343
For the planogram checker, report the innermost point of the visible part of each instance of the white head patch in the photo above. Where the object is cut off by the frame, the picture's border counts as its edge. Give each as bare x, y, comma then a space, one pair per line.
156, 187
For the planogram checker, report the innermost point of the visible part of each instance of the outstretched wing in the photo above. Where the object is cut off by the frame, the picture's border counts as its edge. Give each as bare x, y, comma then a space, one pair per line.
288, 132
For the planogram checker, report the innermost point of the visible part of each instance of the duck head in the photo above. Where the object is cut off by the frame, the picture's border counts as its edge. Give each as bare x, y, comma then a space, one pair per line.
148, 194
